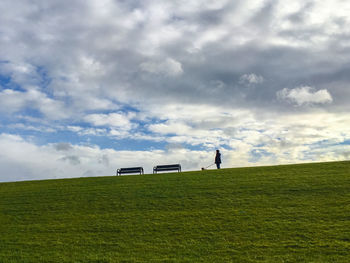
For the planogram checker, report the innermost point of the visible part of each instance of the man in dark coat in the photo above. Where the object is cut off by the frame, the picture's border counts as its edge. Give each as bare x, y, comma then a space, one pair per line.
218, 159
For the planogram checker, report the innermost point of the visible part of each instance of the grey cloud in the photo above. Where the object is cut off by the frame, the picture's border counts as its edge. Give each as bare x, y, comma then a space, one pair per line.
72, 159
230, 131
85, 60
297, 17
104, 160
300, 16
264, 17
174, 146
63, 146
120, 49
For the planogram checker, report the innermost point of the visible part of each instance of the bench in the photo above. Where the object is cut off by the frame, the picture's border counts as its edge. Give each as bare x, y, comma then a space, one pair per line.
169, 167
129, 170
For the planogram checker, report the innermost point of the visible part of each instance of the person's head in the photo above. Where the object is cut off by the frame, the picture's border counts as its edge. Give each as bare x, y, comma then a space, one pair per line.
217, 151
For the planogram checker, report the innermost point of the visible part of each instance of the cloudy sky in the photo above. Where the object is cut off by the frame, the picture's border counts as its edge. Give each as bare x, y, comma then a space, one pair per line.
89, 86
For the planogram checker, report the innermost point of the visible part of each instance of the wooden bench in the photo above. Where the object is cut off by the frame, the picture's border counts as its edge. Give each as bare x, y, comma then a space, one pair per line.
129, 170
169, 167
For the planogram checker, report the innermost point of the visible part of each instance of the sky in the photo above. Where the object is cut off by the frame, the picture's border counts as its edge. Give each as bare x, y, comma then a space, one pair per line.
89, 86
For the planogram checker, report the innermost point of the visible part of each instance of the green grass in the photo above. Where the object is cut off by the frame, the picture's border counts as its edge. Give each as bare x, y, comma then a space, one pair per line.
294, 213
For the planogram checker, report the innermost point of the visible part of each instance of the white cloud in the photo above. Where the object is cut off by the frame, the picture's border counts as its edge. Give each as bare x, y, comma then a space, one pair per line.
294, 138
21, 72
196, 124
305, 95
13, 101
118, 120
170, 128
38, 128
24, 160
251, 79
177, 63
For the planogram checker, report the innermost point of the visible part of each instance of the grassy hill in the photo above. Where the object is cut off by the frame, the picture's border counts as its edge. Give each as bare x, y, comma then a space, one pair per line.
294, 213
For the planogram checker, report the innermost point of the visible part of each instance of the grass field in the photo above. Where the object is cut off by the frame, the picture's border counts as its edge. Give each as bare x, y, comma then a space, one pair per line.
294, 213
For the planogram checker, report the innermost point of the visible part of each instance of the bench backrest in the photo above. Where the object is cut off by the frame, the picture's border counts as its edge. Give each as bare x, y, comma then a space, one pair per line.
167, 167
130, 170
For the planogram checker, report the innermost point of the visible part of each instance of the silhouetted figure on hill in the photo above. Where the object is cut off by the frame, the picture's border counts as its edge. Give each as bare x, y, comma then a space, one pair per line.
218, 159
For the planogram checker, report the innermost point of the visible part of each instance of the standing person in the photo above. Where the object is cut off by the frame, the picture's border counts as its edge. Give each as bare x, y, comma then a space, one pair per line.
218, 159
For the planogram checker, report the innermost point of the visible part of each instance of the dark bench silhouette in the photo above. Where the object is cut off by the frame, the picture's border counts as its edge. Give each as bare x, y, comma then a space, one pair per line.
130, 170
169, 167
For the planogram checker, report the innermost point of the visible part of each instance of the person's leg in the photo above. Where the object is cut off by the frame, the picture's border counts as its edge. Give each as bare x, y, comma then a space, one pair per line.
218, 165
